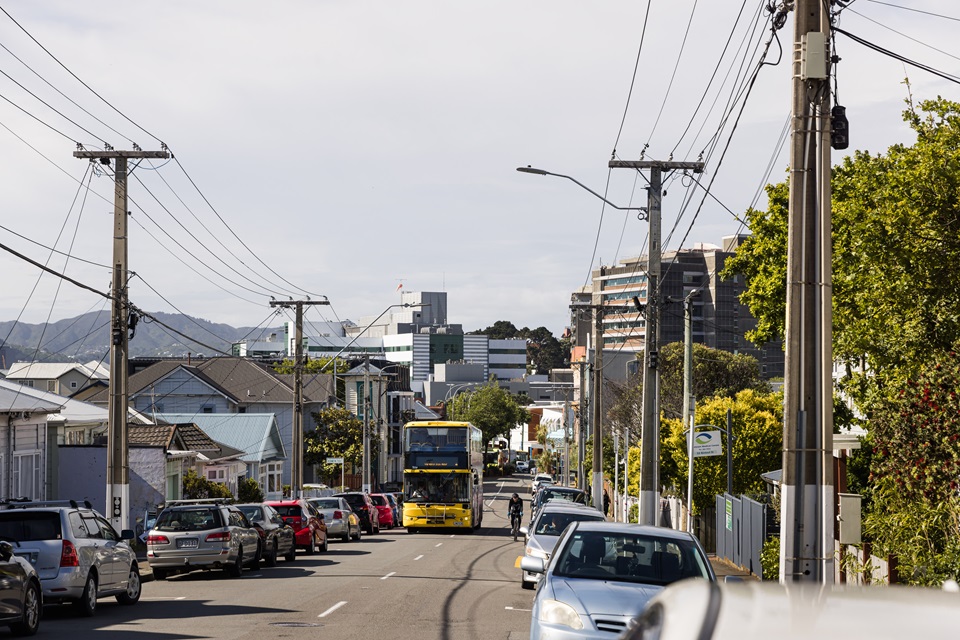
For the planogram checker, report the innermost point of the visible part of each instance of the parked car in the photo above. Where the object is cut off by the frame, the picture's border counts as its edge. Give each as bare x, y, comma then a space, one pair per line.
521, 466
397, 509
20, 592
539, 480
754, 610
340, 519
202, 534
276, 537
602, 575
362, 505
545, 529
386, 511
78, 554
548, 493
308, 526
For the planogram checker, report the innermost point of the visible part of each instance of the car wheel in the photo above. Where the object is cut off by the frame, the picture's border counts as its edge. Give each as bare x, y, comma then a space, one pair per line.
311, 546
326, 545
134, 587
359, 534
87, 604
271, 559
346, 537
30, 622
235, 569
160, 574
292, 554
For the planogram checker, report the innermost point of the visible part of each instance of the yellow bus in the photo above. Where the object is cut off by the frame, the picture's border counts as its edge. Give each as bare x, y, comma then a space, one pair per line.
442, 475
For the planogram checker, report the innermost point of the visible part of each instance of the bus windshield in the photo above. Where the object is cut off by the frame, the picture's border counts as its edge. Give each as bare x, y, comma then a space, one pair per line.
437, 487
435, 439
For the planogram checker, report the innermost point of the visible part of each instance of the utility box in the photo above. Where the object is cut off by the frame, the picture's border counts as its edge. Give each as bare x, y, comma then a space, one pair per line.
813, 60
849, 518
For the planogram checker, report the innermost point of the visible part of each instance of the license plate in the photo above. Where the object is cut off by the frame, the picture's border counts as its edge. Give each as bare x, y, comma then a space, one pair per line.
31, 556
188, 543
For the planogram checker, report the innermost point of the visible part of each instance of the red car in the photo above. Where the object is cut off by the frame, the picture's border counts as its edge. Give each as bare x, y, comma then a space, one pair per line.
308, 526
384, 509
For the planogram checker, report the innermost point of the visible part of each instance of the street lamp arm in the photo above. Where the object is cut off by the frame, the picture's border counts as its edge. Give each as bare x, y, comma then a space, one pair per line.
541, 172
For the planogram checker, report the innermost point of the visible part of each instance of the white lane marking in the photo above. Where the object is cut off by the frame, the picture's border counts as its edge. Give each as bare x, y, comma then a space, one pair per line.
158, 598
515, 609
392, 573
439, 544
332, 609
452, 536
418, 557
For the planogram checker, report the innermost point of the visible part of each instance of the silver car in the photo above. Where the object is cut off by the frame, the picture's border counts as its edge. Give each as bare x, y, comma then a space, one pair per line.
78, 555
202, 535
340, 519
545, 530
602, 574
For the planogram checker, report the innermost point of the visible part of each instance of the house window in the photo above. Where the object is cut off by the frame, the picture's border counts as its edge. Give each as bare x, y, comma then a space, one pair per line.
270, 477
208, 408
217, 474
73, 384
26, 474
52, 386
75, 436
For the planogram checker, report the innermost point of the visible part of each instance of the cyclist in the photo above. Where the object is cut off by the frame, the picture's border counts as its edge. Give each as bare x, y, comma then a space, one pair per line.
515, 509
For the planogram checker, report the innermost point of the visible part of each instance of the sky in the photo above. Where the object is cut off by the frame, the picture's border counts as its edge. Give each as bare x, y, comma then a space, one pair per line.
348, 149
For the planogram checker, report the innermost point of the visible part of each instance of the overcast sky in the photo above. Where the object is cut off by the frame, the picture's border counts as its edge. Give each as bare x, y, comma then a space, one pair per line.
352, 146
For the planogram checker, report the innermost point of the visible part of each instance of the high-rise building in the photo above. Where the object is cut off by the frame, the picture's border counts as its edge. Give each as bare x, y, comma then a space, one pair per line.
719, 320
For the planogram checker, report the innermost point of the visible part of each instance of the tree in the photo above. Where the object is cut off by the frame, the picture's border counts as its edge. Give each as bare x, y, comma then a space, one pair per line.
338, 434
248, 490
896, 241
758, 446
196, 487
490, 408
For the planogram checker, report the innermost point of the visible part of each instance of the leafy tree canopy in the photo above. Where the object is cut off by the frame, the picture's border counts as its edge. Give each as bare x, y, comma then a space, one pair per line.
339, 433
490, 408
312, 366
544, 351
757, 447
896, 244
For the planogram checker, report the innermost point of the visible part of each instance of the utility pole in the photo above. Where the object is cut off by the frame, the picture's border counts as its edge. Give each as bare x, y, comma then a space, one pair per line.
366, 424
118, 455
650, 423
584, 424
597, 484
688, 410
296, 467
806, 550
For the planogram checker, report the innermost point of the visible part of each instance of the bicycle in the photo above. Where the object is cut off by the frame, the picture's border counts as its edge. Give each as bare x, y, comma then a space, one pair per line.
515, 525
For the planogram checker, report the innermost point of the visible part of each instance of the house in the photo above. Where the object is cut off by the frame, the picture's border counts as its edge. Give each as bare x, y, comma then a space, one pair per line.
255, 435
25, 441
62, 378
225, 386
159, 457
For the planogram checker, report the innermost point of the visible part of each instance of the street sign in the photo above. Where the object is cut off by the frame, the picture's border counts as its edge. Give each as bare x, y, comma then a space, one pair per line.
334, 460
707, 443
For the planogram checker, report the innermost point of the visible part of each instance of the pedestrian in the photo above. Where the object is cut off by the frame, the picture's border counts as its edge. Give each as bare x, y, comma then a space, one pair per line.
606, 503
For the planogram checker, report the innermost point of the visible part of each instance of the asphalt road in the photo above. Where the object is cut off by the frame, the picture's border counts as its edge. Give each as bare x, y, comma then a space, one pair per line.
419, 587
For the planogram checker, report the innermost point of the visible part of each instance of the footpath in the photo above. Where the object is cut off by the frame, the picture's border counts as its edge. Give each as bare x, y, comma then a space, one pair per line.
724, 568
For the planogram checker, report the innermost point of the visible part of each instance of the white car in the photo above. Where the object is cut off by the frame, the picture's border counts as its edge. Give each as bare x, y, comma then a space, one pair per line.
539, 480
753, 610
521, 466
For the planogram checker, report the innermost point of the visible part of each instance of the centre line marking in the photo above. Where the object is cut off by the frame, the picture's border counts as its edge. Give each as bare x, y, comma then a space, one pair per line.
392, 573
418, 557
515, 609
332, 609
439, 544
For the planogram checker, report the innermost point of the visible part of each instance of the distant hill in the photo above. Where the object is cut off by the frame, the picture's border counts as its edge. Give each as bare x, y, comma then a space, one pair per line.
87, 337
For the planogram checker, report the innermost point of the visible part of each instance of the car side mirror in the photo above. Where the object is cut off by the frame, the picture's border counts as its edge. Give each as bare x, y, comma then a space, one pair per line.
6, 550
127, 534
532, 565
524, 531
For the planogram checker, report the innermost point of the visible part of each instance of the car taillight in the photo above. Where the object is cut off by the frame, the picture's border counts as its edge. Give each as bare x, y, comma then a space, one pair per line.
157, 540
220, 536
68, 555
338, 515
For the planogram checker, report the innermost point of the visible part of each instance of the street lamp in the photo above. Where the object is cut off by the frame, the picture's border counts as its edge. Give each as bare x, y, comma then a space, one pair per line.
541, 172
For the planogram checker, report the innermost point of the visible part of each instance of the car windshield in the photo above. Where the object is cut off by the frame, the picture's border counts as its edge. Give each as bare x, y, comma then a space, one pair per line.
553, 524
288, 511
252, 513
326, 504
629, 557
380, 501
189, 520
549, 495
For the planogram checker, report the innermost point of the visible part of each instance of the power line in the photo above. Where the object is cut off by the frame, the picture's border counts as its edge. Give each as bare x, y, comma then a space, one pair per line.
897, 56
929, 13
900, 33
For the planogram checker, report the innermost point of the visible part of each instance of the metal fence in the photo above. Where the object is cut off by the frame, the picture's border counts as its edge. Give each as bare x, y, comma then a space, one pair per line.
741, 531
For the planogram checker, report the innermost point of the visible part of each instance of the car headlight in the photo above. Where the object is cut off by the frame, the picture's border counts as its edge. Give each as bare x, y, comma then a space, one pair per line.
536, 553
556, 612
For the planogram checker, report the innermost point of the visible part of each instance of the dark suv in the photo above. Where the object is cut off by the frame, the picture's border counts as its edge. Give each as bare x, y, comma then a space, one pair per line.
363, 506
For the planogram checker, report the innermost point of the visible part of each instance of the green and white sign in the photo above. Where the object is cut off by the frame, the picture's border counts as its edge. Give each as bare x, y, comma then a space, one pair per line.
707, 443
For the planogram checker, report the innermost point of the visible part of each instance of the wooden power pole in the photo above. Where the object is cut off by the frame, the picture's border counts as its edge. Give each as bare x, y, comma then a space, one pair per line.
118, 464
296, 456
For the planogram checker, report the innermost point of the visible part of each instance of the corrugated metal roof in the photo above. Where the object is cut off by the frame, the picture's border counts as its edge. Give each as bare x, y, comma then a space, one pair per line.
256, 434
14, 397
49, 370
